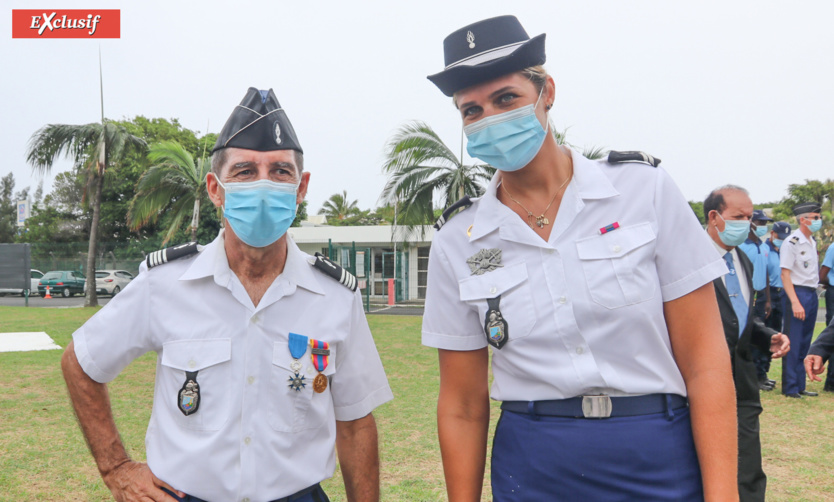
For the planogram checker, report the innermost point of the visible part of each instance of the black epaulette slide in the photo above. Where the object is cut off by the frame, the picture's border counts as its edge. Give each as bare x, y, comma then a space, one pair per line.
344, 277
464, 203
620, 157
170, 254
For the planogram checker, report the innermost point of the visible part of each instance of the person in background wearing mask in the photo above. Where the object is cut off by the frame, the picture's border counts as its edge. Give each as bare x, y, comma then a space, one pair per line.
254, 386
778, 233
728, 211
827, 280
758, 252
591, 283
800, 276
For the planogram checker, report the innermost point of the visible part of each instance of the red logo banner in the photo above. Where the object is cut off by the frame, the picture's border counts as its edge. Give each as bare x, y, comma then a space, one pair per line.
66, 23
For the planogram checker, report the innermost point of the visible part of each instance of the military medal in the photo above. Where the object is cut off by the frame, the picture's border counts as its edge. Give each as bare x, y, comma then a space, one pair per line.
320, 354
188, 398
495, 326
485, 260
298, 347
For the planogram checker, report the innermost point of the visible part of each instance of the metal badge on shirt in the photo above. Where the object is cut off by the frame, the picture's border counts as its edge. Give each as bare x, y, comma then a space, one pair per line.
188, 398
298, 347
485, 260
496, 328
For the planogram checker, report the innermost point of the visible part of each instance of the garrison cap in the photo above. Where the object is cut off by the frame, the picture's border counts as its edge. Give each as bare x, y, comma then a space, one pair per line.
806, 207
258, 123
486, 50
782, 229
759, 215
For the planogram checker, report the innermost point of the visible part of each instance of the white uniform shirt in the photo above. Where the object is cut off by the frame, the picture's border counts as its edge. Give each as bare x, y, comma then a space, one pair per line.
585, 310
252, 437
740, 273
799, 255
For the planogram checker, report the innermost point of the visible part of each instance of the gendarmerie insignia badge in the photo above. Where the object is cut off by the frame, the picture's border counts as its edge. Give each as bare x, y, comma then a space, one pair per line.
188, 398
495, 326
298, 347
485, 260
278, 133
470, 38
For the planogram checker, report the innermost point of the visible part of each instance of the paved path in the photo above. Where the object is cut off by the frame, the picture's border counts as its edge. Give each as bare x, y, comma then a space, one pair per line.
55, 302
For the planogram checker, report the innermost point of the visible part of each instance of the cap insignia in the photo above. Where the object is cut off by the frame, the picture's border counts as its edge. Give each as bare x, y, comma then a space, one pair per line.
470, 37
277, 133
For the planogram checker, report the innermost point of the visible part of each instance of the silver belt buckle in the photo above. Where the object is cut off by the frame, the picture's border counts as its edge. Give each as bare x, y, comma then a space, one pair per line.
596, 406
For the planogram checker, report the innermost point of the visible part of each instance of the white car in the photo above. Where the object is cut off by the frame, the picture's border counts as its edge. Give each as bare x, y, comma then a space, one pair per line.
110, 282
35, 278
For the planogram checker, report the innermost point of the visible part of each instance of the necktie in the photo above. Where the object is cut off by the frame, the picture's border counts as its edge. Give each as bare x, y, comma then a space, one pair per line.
736, 298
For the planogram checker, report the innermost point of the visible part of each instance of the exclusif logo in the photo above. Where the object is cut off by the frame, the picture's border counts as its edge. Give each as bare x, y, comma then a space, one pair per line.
75, 23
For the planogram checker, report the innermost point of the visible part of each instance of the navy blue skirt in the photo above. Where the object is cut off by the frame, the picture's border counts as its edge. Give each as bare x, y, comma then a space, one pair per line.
648, 457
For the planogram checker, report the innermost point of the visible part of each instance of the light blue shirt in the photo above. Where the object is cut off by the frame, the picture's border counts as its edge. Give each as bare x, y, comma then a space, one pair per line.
774, 270
758, 254
828, 261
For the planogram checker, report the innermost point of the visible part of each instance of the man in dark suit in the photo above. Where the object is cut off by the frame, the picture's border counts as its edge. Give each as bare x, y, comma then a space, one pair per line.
820, 353
728, 211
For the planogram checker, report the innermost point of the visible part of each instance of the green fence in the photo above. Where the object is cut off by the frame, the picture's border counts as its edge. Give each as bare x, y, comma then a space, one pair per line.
73, 255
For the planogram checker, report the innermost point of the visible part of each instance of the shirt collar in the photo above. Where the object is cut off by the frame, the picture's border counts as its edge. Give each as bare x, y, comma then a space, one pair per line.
588, 183
722, 251
212, 261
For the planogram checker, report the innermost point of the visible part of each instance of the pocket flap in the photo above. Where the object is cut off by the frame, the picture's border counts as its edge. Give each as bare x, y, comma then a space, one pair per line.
282, 358
492, 284
615, 244
194, 355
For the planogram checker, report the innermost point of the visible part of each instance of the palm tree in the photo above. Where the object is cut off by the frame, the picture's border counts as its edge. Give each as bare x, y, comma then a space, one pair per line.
175, 182
337, 207
95, 148
422, 168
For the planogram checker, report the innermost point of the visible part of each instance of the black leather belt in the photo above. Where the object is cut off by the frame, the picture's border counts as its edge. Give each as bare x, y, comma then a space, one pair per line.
807, 288
599, 406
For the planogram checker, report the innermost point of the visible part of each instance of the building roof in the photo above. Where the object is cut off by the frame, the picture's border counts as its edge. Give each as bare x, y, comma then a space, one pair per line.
371, 234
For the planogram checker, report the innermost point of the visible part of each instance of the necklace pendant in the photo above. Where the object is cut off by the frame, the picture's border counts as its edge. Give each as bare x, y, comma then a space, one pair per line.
541, 221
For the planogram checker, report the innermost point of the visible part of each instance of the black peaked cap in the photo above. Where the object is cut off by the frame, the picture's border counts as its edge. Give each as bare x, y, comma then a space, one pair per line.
806, 207
258, 123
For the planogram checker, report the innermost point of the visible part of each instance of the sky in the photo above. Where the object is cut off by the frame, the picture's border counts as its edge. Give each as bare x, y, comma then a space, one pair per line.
722, 91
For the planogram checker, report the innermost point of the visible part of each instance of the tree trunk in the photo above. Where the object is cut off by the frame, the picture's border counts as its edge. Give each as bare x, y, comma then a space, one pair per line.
91, 300
195, 218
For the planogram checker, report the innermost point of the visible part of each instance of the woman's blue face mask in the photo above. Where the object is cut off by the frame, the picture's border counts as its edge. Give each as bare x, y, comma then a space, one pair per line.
260, 212
507, 141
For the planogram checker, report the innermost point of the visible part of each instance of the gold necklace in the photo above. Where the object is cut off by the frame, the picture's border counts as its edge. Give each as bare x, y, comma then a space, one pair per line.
541, 220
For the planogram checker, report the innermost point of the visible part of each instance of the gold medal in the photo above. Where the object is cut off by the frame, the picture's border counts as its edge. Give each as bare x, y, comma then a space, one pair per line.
320, 383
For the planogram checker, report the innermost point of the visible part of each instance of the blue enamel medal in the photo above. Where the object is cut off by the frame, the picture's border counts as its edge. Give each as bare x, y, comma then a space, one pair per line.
298, 347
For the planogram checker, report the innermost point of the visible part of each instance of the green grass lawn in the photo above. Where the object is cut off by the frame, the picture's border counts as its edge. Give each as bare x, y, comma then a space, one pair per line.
43, 455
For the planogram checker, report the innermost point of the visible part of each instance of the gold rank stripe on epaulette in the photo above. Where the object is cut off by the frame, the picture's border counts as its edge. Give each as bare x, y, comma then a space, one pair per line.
634, 156
464, 203
344, 277
170, 254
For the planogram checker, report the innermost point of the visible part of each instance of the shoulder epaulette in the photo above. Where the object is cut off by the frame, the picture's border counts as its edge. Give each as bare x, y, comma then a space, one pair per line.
794, 240
344, 277
620, 157
464, 203
170, 254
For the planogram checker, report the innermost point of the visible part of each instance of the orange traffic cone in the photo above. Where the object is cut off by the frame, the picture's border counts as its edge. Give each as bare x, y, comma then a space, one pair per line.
47, 296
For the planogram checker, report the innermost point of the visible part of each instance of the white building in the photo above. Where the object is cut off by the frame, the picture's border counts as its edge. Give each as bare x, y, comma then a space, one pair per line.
378, 256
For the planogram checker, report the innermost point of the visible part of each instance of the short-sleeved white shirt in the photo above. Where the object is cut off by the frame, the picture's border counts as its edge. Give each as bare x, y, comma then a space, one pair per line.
799, 255
585, 309
252, 437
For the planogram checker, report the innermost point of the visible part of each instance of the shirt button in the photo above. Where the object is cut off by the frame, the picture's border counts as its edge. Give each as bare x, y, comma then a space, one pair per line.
493, 289
192, 363
251, 379
562, 299
247, 440
616, 248
246, 499
551, 251
580, 350
255, 319
309, 369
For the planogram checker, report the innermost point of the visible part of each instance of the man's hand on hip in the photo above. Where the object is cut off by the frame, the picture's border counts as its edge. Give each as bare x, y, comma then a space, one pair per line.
134, 482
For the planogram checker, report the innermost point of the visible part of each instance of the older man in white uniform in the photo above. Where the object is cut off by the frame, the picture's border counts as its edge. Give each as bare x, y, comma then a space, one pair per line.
265, 363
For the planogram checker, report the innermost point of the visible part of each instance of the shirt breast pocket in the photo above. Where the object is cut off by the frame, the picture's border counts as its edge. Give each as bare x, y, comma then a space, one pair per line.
211, 360
516, 305
619, 265
296, 410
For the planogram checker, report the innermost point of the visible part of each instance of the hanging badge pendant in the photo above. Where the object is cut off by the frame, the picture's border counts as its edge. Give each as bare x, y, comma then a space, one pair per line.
320, 354
495, 326
298, 347
188, 398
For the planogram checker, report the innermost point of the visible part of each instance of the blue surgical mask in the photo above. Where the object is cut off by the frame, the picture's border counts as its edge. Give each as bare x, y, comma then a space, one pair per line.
778, 242
761, 230
260, 212
815, 225
735, 231
507, 141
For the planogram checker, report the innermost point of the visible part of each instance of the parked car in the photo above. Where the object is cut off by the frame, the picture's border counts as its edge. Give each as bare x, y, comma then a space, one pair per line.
110, 282
62, 282
35, 277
